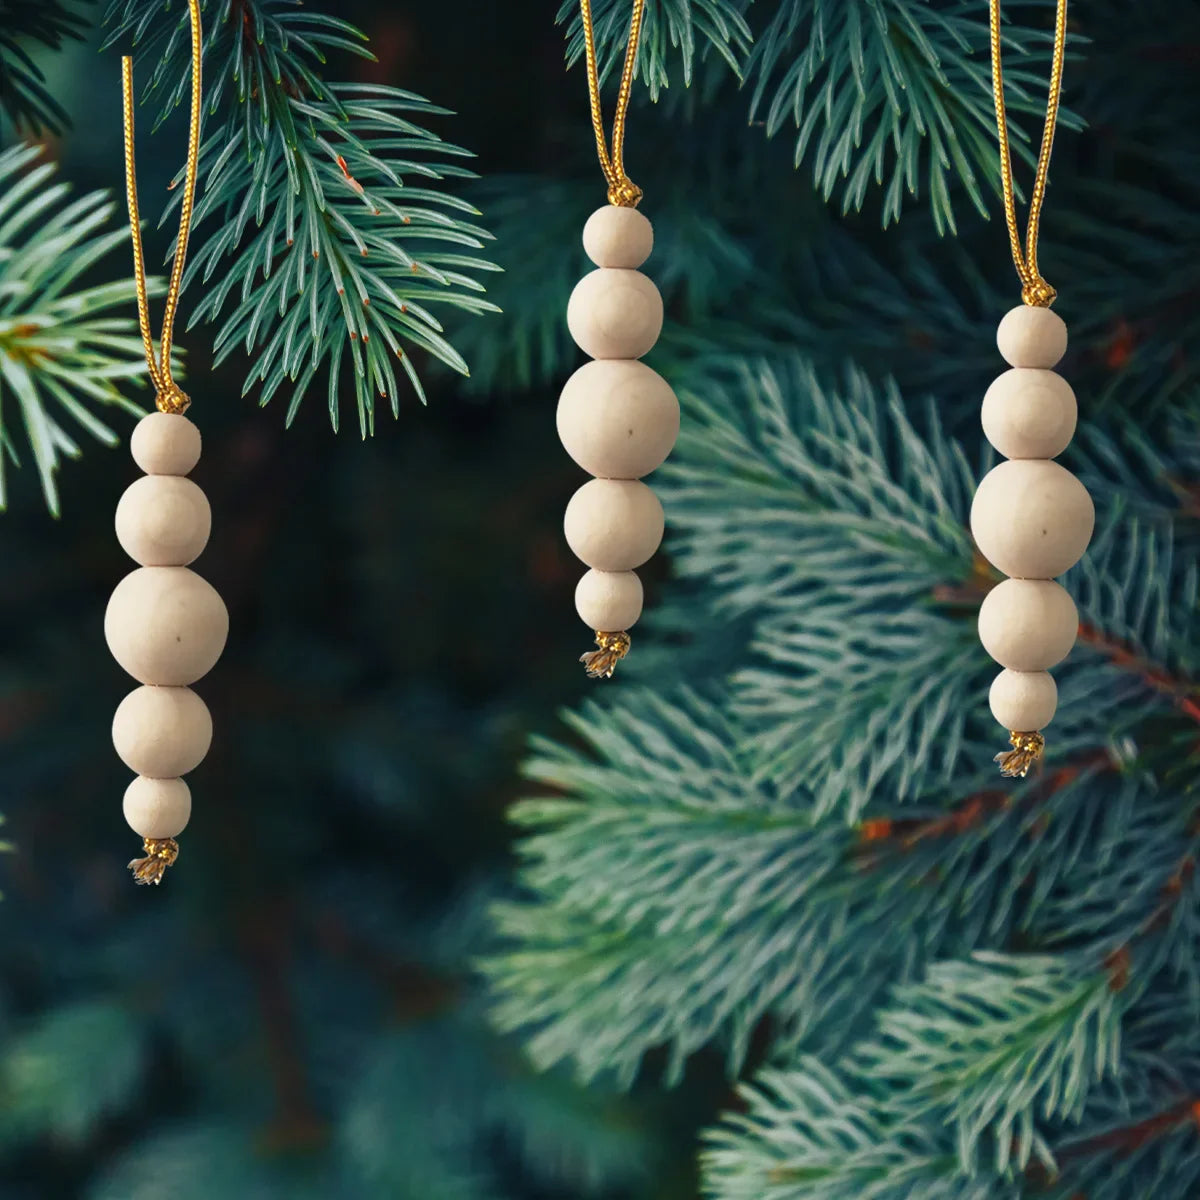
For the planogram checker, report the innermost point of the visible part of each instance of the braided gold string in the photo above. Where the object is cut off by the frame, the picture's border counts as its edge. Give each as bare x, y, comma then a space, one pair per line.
622, 191
1035, 290
170, 397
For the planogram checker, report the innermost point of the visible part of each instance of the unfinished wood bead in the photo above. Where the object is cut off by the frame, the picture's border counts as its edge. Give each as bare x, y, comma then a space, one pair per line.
1023, 701
618, 237
618, 419
1031, 337
1028, 624
1029, 413
614, 524
157, 808
609, 601
165, 444
163, 521
615, 314
166, 625
1032, 519
162, 731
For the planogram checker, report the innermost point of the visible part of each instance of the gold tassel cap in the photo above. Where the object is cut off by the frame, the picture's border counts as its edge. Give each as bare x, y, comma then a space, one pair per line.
160, 854
602, 663
1027, 749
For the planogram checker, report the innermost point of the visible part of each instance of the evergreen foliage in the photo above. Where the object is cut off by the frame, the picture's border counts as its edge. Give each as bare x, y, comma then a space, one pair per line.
24, 24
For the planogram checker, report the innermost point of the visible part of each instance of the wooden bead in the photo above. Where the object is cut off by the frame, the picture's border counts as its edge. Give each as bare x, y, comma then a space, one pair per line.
1031, 337
618, 237
157, 808
165, 444
1028, 624
1029, 413
618, 419
609, 601
615, 314
162, 731
614, 524
166, 625
163, 521
1023, 701
1031, 518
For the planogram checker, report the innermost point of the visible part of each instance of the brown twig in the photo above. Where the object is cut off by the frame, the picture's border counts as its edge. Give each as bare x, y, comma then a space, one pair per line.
1155, 676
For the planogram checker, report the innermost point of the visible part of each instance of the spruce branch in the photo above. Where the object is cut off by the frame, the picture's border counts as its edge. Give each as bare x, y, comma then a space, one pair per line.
887, 92
62, 352
24, 97
326, 233
692, 29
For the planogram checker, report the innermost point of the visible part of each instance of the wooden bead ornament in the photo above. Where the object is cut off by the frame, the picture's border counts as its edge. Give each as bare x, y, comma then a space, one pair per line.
164, 624
616, 418
1031, 518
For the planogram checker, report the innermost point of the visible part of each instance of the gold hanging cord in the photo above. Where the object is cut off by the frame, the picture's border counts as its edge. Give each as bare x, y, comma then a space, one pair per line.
169, 396
622, 191
1035, 290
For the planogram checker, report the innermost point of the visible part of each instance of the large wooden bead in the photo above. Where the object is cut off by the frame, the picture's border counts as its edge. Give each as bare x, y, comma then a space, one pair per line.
1029, 413
614, 524
1028, 624
166, 625
165, 444
1031, 337
157, 808
1031, 518
615, 314
618, 419
162, 731
609, 601
618, 237
163, 521
1023, 701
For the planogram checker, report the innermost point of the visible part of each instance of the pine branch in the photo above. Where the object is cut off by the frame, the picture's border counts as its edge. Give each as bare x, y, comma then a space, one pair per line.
62, 353
24, 98
329, 236
692, 29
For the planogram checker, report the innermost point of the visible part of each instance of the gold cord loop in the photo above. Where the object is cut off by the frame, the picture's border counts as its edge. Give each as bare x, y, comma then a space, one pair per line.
622, 191
169, 398
1035, 291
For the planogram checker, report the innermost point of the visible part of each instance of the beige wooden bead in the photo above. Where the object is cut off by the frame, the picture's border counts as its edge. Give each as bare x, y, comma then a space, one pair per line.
163, 521
1023, 701
166, 625
157, 808
1031, 518
1031, 337
1028, 624
609, 601
165, 444
613, 524
617, 418
618, 237
162, 731
1029, 413
615, 314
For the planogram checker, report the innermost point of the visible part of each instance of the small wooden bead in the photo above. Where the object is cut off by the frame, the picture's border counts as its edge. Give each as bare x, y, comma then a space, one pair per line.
615, 314
1031, 518
1023, 701
618, 237
1028, 624
166, 625
163, 521
162, 731
1031, 337
1029, 413
165, 444
618, 419
614, 524
609, 601
157, 808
